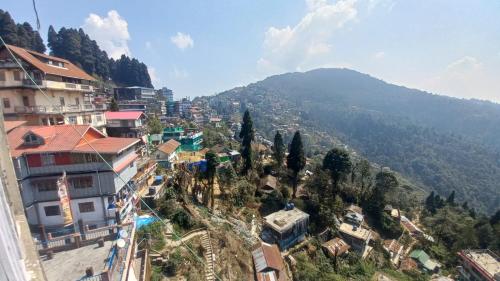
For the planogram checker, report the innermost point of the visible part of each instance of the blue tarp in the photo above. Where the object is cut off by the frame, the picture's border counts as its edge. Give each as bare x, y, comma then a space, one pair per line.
158, 178
143, 221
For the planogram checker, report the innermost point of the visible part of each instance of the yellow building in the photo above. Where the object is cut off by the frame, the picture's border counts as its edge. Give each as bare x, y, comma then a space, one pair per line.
69, 90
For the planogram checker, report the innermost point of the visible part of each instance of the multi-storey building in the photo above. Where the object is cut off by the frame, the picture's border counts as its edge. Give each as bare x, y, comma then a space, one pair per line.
479, 265
135, 93
69, 91
190, 139
285, 227
42, 154
125, 124
169, 94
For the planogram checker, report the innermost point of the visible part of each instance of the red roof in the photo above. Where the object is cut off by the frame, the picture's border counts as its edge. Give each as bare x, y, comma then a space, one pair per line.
9, 125
123, 115
63, 138
268, 262
169, 147
69, 70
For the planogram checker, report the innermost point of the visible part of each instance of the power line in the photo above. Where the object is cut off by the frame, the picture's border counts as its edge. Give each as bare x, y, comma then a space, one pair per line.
127, 185
36, 15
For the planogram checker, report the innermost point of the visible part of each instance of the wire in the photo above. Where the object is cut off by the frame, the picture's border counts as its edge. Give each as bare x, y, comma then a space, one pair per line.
104, 160
36, 14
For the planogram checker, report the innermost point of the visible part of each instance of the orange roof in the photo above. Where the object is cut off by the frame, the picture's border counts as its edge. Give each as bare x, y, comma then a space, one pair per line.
170, 146
267, 259
336, 246
69, 70
9, 125
123, 115
63, 138
392, 246
125, 163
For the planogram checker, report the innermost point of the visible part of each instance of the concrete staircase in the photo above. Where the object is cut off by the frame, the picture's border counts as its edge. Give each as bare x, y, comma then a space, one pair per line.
209, 258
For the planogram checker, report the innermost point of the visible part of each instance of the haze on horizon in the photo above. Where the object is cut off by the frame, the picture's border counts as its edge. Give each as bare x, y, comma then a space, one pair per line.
198, 48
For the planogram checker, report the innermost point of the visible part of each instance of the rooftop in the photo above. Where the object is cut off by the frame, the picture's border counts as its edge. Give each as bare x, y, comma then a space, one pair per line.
285, 219
123, 115
71, 264
62, 138
35, 59
355, 231
336, 246
169, 147
484, 259
267, 256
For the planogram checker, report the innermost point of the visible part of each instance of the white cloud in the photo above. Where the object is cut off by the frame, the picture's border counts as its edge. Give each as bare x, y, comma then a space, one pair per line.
182, 41
307, 43
386, 4
379, 55
178, 73
154, 76
466, 77
148, 45
110, 32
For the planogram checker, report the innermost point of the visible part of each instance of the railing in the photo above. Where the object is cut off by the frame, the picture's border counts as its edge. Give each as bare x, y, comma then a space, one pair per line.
29, 83
54, 109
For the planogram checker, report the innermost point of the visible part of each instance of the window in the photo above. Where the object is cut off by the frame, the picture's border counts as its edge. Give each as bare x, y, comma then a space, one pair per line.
72, 119
52, 210
61, 101
2, 75
81, 182
26, 101
48, 160
98, 118
45, 185
17, 76
6, 103
32, 139
91, 158
77, 101
86, 207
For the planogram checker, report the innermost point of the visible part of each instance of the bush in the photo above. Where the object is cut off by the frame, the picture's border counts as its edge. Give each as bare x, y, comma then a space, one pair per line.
182, 218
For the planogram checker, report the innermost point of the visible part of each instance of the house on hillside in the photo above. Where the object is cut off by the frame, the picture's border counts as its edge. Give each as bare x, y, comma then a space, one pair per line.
68, 95
285, 227
354, 215
479, 265
394, 249
424, 261
356, 236
166, 154
42, 154
268, 184
268, 263
127, 124
336, 247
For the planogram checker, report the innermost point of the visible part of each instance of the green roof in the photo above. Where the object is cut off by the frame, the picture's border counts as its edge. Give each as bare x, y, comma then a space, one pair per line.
420, 255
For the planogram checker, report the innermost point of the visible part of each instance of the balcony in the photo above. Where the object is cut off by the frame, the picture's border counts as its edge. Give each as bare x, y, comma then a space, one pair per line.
47, 109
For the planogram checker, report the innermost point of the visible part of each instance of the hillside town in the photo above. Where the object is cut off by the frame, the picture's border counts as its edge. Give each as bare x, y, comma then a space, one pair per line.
127, 183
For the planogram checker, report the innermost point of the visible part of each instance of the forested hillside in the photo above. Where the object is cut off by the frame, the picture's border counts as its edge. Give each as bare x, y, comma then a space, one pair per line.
76, 46
442, 143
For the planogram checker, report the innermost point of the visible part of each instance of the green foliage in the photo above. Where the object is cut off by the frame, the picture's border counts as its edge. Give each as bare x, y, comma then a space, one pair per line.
278, 150
155, 232
154, 125
113, 106
182, 219
247, 135
296, 160
338, 162
21, 35
243, 193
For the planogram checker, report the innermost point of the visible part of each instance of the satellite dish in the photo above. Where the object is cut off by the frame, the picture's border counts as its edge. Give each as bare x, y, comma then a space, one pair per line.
123, 233
120, 243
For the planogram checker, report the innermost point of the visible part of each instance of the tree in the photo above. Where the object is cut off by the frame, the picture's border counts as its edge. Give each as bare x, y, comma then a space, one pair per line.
113, 106
155, 126
296, 161
385, 181
337, 161
429, 203
226, 177
451, 199
212, 163
278, 150
247, 135
21, 35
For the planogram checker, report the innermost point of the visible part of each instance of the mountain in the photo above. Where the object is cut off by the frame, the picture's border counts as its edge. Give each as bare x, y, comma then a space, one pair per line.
443, 144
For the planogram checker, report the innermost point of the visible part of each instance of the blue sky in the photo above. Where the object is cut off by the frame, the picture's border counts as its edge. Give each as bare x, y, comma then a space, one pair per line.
203, 47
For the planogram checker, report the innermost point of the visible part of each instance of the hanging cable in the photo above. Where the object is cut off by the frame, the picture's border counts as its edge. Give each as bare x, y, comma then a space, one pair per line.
36, 15
127, 185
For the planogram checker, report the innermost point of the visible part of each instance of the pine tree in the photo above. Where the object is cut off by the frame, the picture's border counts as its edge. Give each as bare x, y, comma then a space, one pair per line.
8, 28
338, 162
247, 135
296, 161
212, 163
278, 150
451, 199
429, 203
113, 106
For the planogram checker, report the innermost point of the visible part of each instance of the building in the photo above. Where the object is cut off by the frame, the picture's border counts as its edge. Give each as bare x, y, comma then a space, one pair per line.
134, 93
68, 90
20, 259
424, 261
133, 106
190, 139
166, 154
128, 124
336, 247
394, 249
479, 265
354, 218
268, 184
268, 263
42, 154
357, 237
285, 227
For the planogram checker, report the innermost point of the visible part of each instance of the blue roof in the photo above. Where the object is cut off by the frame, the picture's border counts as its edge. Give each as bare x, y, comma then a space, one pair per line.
158, 178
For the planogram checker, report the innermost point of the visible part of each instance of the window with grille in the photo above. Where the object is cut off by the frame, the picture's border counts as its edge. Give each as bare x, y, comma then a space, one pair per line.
6, 103
48, 160
45, 185
81, 182
86, 207
53, 210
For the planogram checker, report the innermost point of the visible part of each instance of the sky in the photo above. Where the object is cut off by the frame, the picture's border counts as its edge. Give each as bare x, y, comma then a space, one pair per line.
205, 47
